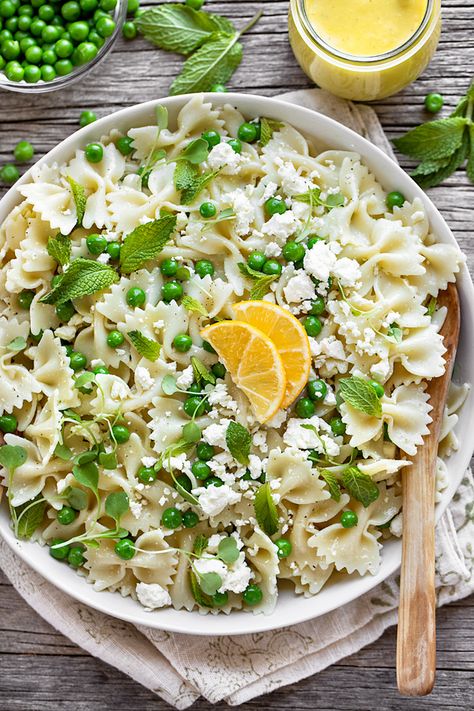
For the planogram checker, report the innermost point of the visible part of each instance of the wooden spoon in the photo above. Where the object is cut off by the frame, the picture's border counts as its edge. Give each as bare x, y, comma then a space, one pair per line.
416, 639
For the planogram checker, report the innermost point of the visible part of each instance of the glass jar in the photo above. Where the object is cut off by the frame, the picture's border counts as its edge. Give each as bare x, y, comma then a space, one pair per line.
363, 78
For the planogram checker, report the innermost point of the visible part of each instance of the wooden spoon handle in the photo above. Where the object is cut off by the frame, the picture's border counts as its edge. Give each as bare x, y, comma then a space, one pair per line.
416, 639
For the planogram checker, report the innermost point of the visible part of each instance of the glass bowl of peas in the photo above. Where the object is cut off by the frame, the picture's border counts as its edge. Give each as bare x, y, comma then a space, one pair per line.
48, 44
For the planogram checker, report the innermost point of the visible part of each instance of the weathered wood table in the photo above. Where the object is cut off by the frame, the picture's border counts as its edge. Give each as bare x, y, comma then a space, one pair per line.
40, 669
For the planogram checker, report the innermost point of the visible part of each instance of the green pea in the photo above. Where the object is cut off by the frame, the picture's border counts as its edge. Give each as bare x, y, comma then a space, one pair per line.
317, 390
184, 482
7, 8
71, 11
207, 347
284, 547
213, 481
96, 39
13, 72
125, 549
132, 6
219, 370
105, 26
147, 475
86, 118
84, 53
305, 408
120, 434
379, 391
170, 291
32, 74
25, 298
213, 138
349, 519
24, 22
129, 30
169, 267
113, 248
171, 518
395, 199
75, 557
256, 260
63, 67
200, 469
190, 519
8, 424
77, 361
94, 152
88, 6
236, 145
204, 267
65, 311
125, 145
96, 244
66, 515
23, 152
115, 339
252, 595
58, 553
100, 370
220, 598
27, 42
48, 73
135, 297
9, 173
204, 451
318, 306
272, 266
206, 209
79, 30
182, 342
293, 251
10, 49
49, 57
37, 26
194, 406
46, 13
183, 274
50, 33
337, 425
312, 326
247, 132
275, 206
434, 103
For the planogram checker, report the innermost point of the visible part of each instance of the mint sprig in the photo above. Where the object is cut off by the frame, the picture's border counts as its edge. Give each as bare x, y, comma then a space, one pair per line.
267, 129
145, 243
239, 441
30, 516
266, 511
80, 199
261, 282
202, 375
193, 305
361, 395
360, 486
443, 145
59, 248
82, 278
146, 347
313, 198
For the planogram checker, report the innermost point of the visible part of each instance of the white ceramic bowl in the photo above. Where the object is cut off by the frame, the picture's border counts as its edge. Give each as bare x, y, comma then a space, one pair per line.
290, 608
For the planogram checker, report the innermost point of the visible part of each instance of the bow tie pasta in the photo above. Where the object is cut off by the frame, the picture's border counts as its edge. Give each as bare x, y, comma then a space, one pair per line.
199, 472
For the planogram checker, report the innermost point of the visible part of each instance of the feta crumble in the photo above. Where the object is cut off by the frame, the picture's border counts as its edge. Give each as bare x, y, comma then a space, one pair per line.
152, 596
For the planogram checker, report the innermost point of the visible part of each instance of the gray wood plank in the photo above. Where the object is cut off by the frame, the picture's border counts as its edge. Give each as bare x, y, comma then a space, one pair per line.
42, 670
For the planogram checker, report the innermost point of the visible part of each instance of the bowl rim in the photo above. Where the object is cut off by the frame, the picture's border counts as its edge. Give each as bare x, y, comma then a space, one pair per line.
299, 609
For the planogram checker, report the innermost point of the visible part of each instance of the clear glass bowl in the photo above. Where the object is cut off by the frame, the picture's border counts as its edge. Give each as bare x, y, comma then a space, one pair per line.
41, 86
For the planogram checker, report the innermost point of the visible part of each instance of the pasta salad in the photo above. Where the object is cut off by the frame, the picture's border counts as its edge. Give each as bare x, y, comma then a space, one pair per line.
215, 345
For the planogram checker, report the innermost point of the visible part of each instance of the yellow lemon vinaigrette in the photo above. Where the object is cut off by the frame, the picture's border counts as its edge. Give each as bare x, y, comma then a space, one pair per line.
364, 49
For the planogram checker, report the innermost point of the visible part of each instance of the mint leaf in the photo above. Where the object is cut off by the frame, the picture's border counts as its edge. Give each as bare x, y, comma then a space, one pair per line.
267, 129
80, 199
77, 498
360, 486
433, 140
239, 441
265, 510
444, 169
201, 373
470, 160
185, 174
331, 483
212, 63
63, 452
200, 544
312, 197
85, 381
145, 243
179, 28
227, 550
87, 475
82, 278
116, 505
431, 306
261, 282
227, 214
195, 152
395, 332
30, 516
361, 395
59, 248
12, 456
191, 191
146, 347
17, 344
194, 305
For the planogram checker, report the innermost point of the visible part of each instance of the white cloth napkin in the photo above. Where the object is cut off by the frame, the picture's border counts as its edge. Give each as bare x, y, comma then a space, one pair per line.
180, 668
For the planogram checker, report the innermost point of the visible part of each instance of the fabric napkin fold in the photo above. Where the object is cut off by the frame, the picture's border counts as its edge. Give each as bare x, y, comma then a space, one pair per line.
181, 668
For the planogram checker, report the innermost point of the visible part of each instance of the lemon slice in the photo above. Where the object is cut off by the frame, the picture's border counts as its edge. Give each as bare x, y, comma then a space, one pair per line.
289, 337
253, 363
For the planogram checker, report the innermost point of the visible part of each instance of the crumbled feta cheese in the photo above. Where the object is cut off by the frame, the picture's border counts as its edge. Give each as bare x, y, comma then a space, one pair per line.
149, 461
95, 362
280, 226
181, 220
209, 564
347, 271
292, 182
185, 378
272, 249
299, 288
136, 509
223, 156
255, 466
152, 595
278, 419
260, 441
215, 434
103, 258
213, 542
237, 577
320, 260
396, 525
298, 436
220, 396
214, 499
243, 208
270, 190
143, 378
331, 355
119, 390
